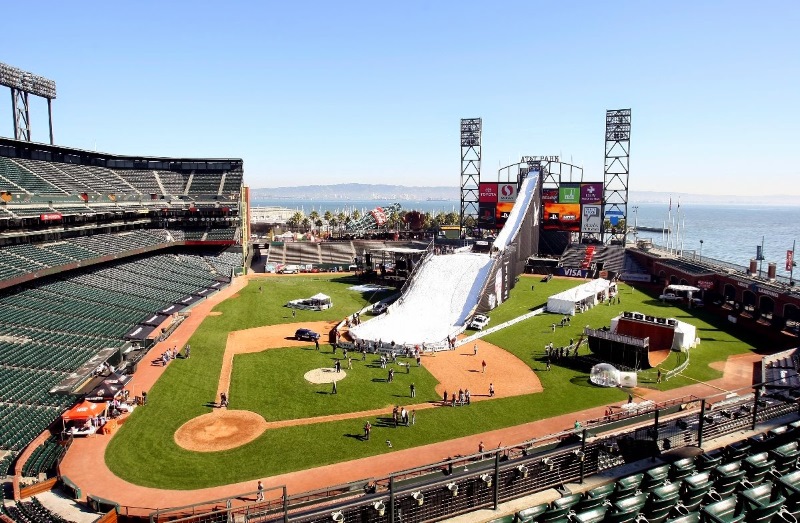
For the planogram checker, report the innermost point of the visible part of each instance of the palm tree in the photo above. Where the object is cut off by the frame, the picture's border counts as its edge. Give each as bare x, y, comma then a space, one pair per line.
356, 215
328, 217
314, 217
306, 223
295, 220
341, 218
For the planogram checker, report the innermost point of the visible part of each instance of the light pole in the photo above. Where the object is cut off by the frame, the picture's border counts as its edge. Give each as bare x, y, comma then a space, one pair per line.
701, 250
636, 223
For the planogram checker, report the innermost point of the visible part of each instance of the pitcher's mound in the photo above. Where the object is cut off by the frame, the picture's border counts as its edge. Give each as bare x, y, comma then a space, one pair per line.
220, 430
324, 375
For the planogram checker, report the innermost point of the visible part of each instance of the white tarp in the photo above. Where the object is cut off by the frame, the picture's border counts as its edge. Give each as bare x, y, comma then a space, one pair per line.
584, 294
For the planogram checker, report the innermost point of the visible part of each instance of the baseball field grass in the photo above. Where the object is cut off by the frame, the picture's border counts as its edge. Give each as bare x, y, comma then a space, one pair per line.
270, 383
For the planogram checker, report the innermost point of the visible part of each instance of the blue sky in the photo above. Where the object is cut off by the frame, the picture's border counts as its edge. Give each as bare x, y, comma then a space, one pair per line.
372, 92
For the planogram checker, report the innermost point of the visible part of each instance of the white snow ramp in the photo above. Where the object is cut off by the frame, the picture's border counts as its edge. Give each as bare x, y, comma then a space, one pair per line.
437, 304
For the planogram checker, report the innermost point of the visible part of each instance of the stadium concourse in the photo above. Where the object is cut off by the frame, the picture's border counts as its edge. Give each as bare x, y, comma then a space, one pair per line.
85, 464
445, 290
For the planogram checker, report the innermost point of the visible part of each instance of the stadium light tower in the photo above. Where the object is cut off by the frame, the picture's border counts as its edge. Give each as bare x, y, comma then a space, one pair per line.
22, 84
470, 169
616, 173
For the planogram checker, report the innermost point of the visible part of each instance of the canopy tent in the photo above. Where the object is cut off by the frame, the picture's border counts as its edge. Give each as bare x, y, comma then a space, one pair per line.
585, 295
317, 302
110, 387
83, 411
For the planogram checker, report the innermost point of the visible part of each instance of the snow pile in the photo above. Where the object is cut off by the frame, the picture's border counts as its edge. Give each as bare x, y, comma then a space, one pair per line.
443, 293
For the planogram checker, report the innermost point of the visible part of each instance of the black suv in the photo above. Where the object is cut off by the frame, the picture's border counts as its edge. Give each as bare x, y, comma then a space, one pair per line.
306, 334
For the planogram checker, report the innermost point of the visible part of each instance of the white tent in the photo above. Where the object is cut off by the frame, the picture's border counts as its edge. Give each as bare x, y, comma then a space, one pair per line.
585, 295
317, 302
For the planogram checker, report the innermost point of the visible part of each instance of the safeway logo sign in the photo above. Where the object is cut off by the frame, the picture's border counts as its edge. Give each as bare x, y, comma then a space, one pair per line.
507, 192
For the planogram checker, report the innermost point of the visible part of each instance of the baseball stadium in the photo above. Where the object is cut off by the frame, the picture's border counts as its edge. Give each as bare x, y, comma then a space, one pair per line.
158, 363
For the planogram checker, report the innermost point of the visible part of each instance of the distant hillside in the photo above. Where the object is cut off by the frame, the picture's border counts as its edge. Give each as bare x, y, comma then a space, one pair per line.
400, 193
357, 191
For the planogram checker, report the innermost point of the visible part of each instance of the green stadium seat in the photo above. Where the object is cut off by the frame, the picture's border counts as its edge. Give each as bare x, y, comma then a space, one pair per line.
694, 489
595, 515
661, 501
785, 457
681, 469
737, 451
568, 501
763, 502
627, 486
727, 477
725, 511
530, 514
655, 477
757, 466
693, 517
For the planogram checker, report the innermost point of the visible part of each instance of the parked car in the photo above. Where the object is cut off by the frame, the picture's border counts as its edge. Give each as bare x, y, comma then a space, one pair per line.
289, 269
379, 308
479, 321
669, 297
306, 334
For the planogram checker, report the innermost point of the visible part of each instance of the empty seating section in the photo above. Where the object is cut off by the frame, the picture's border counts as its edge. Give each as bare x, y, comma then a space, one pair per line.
44, 458
101, 180
33, 512
233, 182
195, 234
300, 253
757, 480
337, 252
55, 176
49, 330
206, 184
144, 181
29, 211
222, 234
23, 179
174, 183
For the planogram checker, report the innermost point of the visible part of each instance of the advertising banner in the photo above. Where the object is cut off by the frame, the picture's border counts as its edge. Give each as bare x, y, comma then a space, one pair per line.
507, 192
614, 216
591, 193
503, 211
486, 216
591, 221
705, 284
550, 195
487, 193
569, 193
50, 216
789, 260
379, 215
572, 272
562, 217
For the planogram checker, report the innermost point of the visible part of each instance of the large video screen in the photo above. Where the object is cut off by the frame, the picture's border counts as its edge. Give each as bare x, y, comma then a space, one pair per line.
562, 217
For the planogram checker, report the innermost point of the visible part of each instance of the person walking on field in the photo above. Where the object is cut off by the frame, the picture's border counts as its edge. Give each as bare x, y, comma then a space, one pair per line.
413, 390
475, 349
483, 366
260, 494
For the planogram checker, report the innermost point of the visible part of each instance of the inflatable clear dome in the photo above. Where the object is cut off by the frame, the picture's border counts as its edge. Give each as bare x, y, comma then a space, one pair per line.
605, 375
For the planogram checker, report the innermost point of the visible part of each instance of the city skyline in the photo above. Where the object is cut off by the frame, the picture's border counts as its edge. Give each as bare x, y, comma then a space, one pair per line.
317, 94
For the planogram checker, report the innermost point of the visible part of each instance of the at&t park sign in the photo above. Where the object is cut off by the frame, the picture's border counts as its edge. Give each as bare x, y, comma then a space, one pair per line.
533, 159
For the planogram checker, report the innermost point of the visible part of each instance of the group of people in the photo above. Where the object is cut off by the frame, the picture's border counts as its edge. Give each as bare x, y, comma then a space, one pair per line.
401, 415
464, 397
171, 354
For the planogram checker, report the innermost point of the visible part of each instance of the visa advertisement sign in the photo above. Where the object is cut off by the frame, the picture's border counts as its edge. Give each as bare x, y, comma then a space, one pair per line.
591, 193
569, 193
591, 220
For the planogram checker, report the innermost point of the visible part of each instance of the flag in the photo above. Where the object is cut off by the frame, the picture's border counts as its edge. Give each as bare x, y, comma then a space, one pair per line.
790, 260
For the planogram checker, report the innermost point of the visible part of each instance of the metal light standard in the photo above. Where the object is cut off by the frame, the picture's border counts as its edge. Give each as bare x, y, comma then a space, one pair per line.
701, 250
